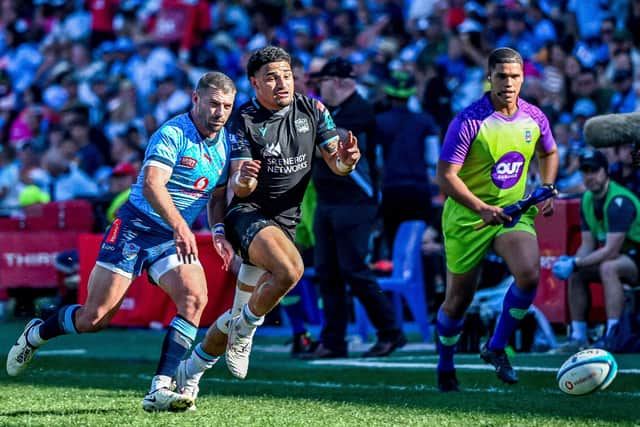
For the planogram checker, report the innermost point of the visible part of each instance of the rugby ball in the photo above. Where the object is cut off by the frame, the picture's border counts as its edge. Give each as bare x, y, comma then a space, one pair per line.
587, 371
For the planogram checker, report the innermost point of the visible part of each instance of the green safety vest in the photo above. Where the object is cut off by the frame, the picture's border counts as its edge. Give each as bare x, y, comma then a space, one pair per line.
600, 228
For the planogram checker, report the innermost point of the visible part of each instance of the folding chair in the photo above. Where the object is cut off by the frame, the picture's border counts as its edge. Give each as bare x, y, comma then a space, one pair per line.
406, 281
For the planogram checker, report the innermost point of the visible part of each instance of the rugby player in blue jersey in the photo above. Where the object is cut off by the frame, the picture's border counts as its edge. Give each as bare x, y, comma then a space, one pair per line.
186, 167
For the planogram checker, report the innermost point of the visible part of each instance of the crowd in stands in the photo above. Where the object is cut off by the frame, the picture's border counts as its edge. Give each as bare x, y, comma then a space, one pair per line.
84, 83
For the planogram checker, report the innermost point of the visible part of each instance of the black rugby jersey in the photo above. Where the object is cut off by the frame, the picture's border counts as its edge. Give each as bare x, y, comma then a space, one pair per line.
284, 142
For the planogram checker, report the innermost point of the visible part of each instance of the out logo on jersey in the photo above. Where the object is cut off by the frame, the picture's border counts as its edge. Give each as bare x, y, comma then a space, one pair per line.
508, 170
188, 162
201, 183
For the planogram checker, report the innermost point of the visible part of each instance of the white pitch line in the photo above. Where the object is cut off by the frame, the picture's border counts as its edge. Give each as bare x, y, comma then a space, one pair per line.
316, 384
63, 352
468, 366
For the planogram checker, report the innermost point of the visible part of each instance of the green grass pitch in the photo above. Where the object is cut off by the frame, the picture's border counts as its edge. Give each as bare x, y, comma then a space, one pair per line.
99, 380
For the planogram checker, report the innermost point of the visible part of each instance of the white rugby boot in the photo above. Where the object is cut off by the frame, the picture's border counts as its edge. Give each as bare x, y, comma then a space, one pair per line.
162, 398
187, 385
22, 352
239, 348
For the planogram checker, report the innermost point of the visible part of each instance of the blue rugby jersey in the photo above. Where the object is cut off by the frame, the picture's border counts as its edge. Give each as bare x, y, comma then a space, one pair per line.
198, 165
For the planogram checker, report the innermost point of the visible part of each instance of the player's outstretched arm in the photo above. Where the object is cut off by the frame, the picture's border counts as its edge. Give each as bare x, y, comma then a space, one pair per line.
343, 156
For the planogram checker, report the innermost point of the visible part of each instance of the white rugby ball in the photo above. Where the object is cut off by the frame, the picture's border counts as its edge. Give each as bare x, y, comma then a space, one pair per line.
587, 371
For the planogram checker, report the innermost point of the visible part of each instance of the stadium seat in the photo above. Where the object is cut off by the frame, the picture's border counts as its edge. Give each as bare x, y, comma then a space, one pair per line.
406, 281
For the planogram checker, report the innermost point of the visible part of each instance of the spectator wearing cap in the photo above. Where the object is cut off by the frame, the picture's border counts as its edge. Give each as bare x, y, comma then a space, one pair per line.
609, 251
625, 99
410, 147
123, 176
342, 239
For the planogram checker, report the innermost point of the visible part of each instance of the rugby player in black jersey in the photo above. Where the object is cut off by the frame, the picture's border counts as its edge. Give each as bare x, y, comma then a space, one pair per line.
274, 136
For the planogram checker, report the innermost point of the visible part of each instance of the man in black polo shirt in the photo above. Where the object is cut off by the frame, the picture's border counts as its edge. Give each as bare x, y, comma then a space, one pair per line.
347, 207
274, 136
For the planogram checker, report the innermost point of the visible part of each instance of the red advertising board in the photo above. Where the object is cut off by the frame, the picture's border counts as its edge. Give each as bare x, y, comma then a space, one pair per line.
145, 304
27, 257
559, 234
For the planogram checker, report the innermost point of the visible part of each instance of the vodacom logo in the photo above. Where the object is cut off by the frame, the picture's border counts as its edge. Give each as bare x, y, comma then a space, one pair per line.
201, 183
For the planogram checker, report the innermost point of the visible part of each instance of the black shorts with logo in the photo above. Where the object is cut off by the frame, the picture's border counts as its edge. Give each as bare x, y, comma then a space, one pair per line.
244, 221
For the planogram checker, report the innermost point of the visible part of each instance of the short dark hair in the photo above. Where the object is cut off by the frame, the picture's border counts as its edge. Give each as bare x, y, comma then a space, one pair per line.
216, 80
504, 55
266, 55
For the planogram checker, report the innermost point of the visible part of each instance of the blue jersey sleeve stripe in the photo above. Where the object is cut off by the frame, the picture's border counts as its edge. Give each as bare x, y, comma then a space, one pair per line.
329, 140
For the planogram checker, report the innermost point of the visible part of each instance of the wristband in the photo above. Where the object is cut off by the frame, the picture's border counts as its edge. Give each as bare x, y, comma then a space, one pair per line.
342, 167
218, 229
550, 186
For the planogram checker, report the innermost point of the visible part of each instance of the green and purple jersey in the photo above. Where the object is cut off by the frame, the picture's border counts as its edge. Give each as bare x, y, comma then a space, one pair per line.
495, 150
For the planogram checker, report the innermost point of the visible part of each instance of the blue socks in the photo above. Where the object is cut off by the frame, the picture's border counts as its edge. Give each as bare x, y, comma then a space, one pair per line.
449, 331
60, 323
177, 342
514, 307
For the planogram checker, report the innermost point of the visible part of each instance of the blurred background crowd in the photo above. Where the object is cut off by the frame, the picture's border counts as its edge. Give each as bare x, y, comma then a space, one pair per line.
84, 83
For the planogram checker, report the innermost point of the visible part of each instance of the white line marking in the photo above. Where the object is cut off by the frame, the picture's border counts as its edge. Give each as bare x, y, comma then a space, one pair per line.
63, 352
468, 366
316, 384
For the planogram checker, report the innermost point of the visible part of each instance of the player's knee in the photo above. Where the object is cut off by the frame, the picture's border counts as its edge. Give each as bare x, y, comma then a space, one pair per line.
289, 273
608, 270
193, 303
527, 279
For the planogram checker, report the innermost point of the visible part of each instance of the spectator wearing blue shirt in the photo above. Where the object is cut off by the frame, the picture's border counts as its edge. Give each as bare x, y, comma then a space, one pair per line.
624, 99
